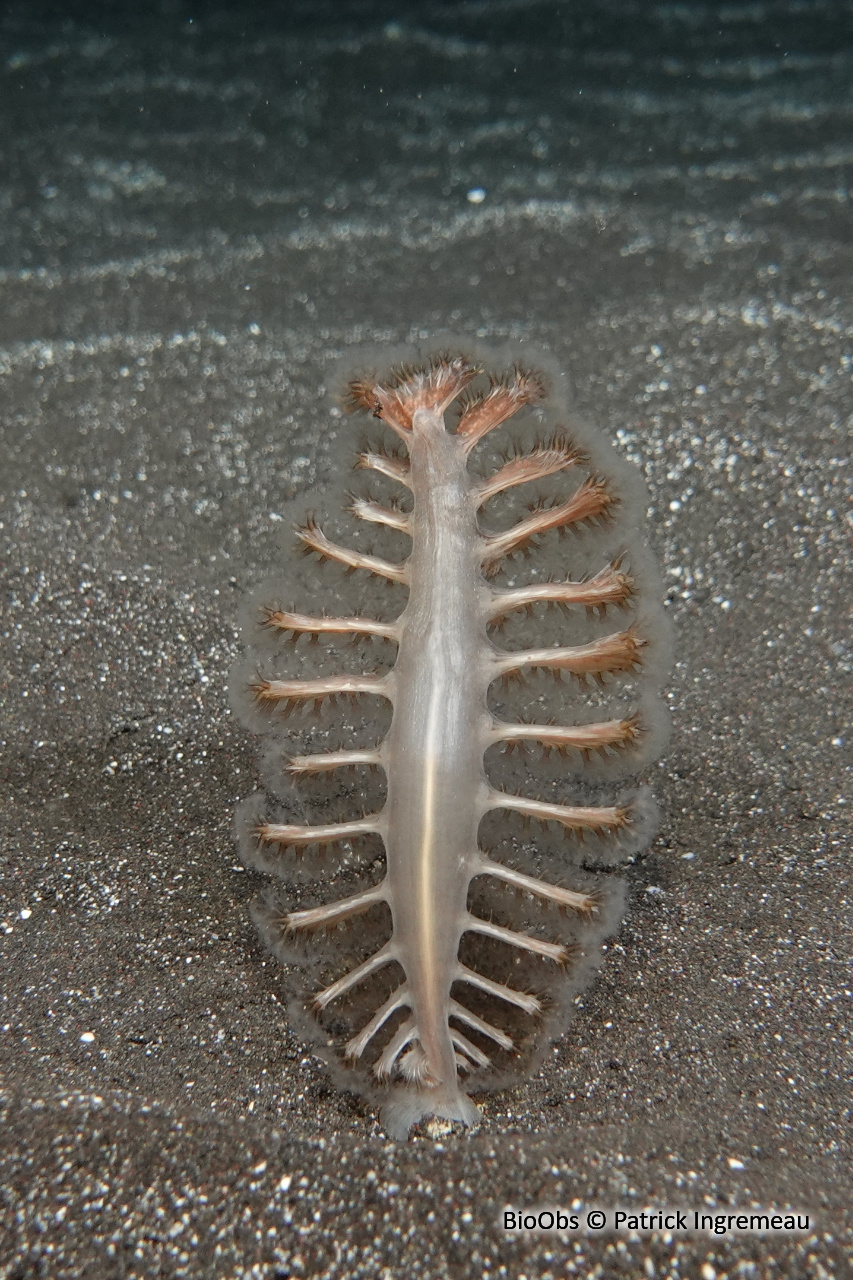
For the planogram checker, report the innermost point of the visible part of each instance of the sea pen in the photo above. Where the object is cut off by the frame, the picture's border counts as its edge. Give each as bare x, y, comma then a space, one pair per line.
451, 971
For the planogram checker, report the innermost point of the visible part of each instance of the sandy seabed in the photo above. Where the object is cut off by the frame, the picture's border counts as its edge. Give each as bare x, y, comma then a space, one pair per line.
201, 213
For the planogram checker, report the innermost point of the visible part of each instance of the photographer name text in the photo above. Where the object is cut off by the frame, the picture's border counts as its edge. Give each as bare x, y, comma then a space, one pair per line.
649, 1220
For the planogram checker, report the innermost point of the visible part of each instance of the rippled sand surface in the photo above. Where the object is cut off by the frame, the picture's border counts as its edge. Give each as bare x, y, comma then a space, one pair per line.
201, 209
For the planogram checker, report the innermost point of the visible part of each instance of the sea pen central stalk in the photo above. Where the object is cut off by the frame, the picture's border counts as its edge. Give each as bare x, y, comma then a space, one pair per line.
436, 785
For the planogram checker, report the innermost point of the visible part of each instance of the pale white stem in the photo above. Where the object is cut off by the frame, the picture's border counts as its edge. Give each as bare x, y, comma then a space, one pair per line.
357, 1045
459, 1011
349, 980
553, 893
292, 834
326, 761
470, 1050
332, 912
530, 1004
548, 950
395, 1047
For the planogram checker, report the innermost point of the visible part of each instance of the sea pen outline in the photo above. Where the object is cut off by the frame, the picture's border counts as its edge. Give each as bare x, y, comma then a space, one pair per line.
441, 726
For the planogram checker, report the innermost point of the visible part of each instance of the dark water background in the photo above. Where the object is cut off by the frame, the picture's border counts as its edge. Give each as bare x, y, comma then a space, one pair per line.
200, 207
